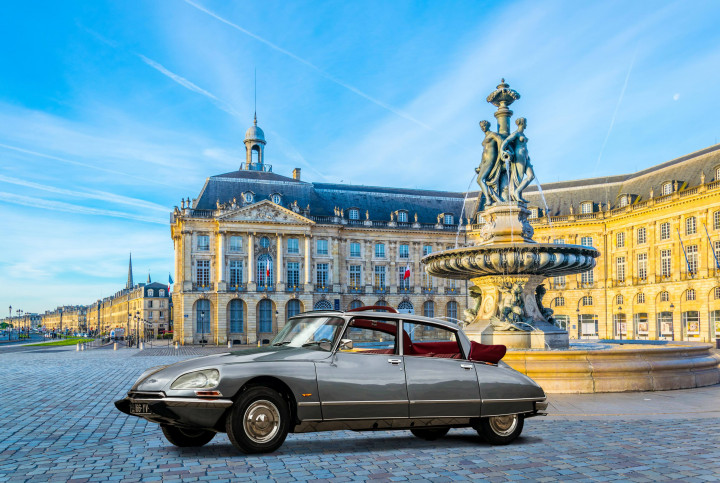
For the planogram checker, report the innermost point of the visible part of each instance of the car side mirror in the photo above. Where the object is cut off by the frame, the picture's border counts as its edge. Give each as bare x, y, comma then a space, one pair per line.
346, 344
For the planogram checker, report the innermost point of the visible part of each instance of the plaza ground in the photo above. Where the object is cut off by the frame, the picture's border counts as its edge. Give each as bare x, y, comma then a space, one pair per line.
58, 423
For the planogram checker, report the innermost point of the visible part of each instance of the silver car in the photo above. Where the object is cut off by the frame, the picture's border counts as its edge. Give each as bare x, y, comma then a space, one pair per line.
359, 370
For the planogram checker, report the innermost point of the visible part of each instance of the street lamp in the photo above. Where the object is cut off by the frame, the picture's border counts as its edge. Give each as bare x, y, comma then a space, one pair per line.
137, 329
202, 327
620, 321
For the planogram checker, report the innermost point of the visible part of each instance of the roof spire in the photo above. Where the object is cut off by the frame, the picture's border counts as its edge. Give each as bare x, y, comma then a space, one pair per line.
149, 281
130, 283
255, 117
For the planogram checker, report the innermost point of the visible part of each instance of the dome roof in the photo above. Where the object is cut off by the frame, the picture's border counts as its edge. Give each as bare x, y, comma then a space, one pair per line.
255, 133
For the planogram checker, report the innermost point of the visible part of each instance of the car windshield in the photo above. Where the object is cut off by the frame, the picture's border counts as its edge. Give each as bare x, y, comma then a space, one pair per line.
311, 332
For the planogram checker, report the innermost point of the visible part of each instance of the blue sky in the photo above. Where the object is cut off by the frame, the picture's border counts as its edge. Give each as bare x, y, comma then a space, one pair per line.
111, 112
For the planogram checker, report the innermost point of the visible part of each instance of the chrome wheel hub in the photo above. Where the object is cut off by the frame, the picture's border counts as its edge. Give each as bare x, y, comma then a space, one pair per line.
262, 421
504, 425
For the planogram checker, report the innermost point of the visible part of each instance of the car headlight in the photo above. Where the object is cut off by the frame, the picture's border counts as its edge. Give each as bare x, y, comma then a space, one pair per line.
197, 380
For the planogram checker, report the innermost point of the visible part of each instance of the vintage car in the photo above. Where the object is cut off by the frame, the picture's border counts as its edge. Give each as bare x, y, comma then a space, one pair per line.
359, 370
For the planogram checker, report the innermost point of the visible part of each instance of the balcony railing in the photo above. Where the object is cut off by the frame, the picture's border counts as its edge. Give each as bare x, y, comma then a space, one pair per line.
663, 278
197, 287
238, 287
406, 290
452, 290
356, 289
380, 289
689, 275
322, 288
586, 284
639, 280
266, 288
429, 290
293, 288
558, 285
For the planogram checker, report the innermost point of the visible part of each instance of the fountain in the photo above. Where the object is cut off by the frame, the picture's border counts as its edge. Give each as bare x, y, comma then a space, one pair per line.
507, 269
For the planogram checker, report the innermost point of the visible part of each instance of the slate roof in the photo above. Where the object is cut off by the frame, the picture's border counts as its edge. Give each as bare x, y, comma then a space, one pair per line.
380, 201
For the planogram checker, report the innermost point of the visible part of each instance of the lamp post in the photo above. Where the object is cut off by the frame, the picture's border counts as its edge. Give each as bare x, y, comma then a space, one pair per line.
137, 329
619, 321
19, 313
672, 320
202, 327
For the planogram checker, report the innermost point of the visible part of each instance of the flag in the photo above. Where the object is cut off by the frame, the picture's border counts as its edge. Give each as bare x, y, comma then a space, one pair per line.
267, 271
407, 272
170, 280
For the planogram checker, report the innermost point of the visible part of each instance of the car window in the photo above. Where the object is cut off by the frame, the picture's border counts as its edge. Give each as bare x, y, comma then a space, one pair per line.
427, 340
370, 336
310, 332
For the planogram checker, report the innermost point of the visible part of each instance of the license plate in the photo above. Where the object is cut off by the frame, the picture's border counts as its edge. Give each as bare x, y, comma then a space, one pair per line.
139, 408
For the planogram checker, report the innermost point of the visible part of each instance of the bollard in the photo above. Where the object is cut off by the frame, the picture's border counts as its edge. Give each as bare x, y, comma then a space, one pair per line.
82, 347
114, 346
259, 343
177, 345
142, 345
77, 347
229, 344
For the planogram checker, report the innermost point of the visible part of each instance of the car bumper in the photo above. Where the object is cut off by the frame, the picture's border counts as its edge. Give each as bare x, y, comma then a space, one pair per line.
180, 411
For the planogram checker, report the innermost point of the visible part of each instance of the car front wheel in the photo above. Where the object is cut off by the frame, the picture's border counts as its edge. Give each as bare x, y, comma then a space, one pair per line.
429, 434
500, 429
187, 438
259, 421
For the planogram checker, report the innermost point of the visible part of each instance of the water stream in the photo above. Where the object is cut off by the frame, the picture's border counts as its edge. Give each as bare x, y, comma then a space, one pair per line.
462, 210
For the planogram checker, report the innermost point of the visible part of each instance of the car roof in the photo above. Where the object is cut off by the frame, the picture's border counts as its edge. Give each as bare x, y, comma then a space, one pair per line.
386, 315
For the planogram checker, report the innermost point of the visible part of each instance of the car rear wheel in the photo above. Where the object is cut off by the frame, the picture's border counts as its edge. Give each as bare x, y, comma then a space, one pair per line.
187, 438
500, 429
429, 434
259, 421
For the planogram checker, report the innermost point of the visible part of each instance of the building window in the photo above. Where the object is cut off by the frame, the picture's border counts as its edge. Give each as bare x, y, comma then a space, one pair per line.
427, 250
355, 276
276, 199
587, 300
619, 300
690, 225
558, 281
665, 263
620, 323
203, 243
265, 309
235, 243
641, 298
716, 220
293, 245
379, 250
402, 216
559, 301
623, 201
586, 241
236, 277
690, 294
429, 308
322, 247
642, 266
666, 188
586, 278
403, 283
354, 249
323, 305
620, 239
586, 207
151, 293
452, 310
665, 230
203, 316
642, 236
533, 213
716, 291
265, 270
717, 255
150, 303
620, 266
404, 251
665, 324
588, 325
161, 294
715, 322
559, 241
406, 307
380, 277
322, 275
664, 296
717, 173
293, 274
203, 273
236, 316
293, 308
691, 251
448, 219
354, 214
265, 242
691, 322
427, 281
248, 197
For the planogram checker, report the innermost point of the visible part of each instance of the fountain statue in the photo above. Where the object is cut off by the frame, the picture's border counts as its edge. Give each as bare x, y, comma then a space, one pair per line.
506, 266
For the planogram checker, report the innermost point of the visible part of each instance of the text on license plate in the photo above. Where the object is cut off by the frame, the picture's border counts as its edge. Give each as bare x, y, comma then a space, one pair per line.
139, 408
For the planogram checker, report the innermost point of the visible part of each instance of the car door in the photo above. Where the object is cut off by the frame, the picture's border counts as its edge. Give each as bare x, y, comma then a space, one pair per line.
365, 377
440, 381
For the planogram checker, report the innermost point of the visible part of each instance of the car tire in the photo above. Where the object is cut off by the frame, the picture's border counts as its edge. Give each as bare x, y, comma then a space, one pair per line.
186, 437
429, 434
259, 421
500, 429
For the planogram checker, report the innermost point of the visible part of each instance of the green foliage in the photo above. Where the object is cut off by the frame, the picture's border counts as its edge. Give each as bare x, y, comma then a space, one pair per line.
68, 341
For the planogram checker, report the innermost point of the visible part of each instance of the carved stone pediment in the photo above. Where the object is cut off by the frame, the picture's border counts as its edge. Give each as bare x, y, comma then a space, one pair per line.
265, 212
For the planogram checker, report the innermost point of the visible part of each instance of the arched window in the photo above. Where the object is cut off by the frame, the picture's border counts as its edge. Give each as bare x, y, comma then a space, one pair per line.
402, 216
276, 199
690, 294
151, 293
452, 309
664, 296
236, 316
587, 300
406, 307
666, 188
354, 214
323, 305
162, 293
265, 270
203, 316
293, 307
248, 197
429, 309
559, 301
448, 219
619, 300
264, 242
382, 303
623, 201
265, 316
641, 298
355, 304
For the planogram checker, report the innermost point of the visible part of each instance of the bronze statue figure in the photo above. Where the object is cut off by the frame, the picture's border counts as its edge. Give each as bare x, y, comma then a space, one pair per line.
514, 153
490, 170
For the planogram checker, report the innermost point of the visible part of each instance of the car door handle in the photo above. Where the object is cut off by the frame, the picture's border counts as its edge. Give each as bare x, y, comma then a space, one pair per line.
466, 366
395, 361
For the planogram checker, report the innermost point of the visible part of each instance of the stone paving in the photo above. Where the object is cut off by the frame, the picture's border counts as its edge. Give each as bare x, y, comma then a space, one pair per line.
58, 423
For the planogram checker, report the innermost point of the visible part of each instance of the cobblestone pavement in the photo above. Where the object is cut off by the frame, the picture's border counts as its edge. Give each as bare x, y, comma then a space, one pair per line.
58, 423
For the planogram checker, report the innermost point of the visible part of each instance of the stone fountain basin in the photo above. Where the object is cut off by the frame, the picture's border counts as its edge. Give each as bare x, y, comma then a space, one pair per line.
619, 367
546, 259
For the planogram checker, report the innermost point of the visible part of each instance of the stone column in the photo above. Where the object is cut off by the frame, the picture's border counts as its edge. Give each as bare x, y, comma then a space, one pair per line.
250, 262
178, 246
336, 260
221, 285
187, 261
308, 263
279, 268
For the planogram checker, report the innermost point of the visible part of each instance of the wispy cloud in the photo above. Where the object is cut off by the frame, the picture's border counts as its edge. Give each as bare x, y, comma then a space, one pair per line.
312, 66
71, 208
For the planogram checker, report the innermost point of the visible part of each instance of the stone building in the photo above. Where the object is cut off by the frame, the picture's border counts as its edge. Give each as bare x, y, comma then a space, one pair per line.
256, 247
68, 318
658, 232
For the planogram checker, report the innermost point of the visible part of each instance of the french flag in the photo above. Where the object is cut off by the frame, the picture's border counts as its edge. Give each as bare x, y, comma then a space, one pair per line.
267, 270
407, 272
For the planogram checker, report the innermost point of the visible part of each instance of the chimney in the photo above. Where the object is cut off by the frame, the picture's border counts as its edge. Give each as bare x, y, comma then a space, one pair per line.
296, 174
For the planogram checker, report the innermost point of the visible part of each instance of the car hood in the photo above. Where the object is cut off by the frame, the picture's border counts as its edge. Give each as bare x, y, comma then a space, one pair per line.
159, 379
